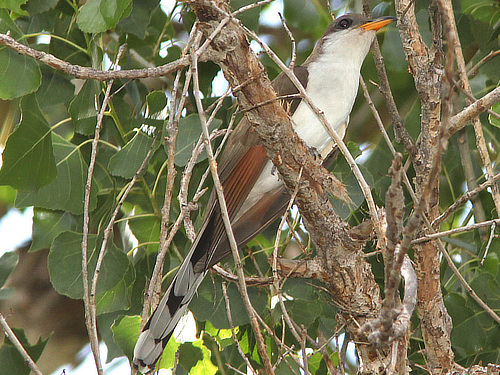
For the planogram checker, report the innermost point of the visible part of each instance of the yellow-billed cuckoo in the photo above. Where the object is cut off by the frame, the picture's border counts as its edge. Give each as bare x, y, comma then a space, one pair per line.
254, 195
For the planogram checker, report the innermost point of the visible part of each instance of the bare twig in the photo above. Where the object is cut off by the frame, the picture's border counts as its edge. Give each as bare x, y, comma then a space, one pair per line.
470, 176
292, 39
466, 285
473, 99
464, 198
472, 71
486, 250
89, 300
252, 281
235, 338
151, 298
15, 341
454, 43
109, 228
467, 228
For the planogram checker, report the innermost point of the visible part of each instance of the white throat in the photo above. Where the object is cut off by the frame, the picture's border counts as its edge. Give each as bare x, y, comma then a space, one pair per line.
333, 86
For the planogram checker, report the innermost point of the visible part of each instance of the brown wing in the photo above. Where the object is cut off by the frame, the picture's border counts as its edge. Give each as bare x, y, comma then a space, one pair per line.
241, 164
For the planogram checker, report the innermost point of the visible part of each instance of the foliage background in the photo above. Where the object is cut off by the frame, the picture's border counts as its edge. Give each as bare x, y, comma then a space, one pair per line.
48, 121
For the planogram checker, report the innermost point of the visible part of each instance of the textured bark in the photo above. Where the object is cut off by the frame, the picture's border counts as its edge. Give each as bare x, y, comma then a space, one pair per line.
426, 67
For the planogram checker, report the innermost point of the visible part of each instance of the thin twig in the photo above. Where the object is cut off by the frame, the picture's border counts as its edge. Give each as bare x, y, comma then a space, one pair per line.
433, 236
15, 341
472, 71
109, 228
151, 298
303, 347
459, 120
89, 299
464, 198
486, 250
292, 39
473, 98
454, 43
470, 175
233, 332
251, 281
276, 283
466, 285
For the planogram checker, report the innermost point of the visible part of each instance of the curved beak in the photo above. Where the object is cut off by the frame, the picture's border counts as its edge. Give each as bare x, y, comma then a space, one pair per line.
377, 23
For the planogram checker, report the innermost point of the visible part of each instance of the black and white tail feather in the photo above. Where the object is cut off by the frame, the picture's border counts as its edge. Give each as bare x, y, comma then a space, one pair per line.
172, 307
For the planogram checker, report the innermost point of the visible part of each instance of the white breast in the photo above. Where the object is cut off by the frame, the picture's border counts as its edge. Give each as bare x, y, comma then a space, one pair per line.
332, 86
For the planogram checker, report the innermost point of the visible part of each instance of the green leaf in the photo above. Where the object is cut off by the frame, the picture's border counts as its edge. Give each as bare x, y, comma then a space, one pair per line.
118, 298
146, 230
28, 158
209, 304
156, 102
97, 16
126, 332
14, 6
126, 162
189, 133
65, 264
51, 83
205, 365
67, 191
138, 20
168, 356
82, 108
493, 120
40, 6
115, 299
8, 262
48, 224
487, 11
12, 362
19, 75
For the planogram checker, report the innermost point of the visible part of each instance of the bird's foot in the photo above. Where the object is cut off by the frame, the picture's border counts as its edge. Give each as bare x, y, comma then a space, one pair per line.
315, 153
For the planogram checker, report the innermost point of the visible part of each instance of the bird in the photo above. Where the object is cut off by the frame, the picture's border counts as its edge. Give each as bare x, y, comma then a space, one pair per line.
254, 194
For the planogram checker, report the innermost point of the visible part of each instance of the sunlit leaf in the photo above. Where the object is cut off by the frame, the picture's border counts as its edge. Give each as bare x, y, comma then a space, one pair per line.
126, 333
97, 16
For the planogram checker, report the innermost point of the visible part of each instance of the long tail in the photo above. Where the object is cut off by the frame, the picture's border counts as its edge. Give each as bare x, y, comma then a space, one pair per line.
172, 307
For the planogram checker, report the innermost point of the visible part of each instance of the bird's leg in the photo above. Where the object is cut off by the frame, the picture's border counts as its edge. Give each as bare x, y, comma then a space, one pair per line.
315, 153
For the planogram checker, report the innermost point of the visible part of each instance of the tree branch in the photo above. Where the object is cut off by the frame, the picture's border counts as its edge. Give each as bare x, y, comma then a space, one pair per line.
15, 341
83, 72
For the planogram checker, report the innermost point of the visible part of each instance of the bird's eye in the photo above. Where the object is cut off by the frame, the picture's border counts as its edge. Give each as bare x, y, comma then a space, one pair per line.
345, 23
